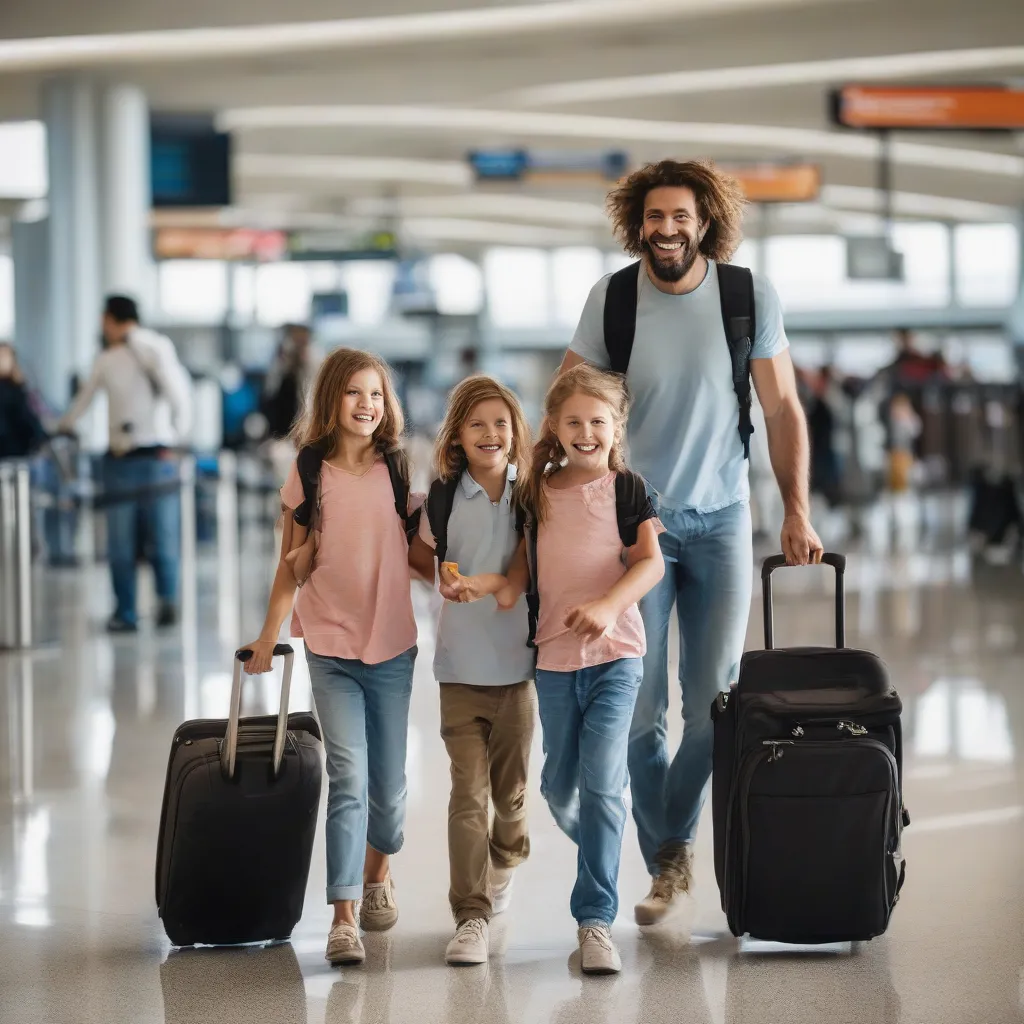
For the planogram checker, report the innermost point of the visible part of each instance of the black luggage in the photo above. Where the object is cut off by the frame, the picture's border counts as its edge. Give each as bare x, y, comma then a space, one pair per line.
238, 822
807, 789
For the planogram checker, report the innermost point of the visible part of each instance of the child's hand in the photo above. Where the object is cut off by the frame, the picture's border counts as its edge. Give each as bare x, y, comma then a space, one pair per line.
592, 620
262, 656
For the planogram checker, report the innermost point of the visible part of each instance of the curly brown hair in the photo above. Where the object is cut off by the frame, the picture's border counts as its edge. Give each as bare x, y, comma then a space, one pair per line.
449, 459
719, 197
548, 453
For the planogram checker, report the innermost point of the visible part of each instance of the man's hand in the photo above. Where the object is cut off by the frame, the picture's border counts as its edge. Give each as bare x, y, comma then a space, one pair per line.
800, 544
592, 620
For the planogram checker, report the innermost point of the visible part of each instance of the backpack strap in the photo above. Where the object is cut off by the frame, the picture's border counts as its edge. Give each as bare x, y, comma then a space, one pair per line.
633, 506
309, 461
440, 500
398, 471
620, 316
736, 288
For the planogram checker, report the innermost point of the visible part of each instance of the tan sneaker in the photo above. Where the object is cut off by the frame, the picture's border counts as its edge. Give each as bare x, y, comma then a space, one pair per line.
344, 946
669, 889
598, 954
470, 945
378, 910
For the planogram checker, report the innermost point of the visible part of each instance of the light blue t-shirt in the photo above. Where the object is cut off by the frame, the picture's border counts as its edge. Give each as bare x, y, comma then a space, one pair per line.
478, 643
683, 432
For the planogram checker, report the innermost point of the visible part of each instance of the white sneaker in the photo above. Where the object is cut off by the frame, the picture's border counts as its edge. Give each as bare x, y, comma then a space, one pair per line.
378, 910
598, 954
470, 945
344, 946
669, 889
501, 895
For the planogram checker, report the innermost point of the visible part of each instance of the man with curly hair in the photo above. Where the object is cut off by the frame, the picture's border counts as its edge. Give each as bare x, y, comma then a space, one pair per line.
688, 437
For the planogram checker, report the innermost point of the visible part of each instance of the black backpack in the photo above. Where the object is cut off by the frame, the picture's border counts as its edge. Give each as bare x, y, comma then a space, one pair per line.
736, 285
633, 506
309, 462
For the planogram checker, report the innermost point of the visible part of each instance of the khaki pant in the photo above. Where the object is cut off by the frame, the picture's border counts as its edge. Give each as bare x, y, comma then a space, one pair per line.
488, 731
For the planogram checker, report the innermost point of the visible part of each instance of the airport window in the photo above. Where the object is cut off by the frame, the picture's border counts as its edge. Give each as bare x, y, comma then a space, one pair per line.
458, 284
283, 293
748, 255
987, 264
573, 273
369, 284
243, 293
23, 173
192, 291
518, 283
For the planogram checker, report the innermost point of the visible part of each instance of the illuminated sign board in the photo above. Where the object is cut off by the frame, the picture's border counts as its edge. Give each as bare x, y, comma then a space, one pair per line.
547, 166
939, 108
219, 244
777, 183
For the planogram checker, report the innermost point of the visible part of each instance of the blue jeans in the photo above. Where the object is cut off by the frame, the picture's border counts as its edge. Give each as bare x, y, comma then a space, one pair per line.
585, 718
364, 714
708, 576
159, 519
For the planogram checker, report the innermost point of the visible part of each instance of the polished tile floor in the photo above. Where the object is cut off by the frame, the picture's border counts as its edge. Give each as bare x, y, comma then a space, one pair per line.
85, 722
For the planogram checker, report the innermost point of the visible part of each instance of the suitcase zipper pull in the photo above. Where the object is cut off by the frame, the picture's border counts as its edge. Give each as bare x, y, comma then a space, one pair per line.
798, 731
776, 754
853, 730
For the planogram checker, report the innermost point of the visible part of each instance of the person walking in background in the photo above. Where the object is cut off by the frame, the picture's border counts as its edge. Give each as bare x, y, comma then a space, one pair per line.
344, 542
482, 658
690, 381
597, 554
149, 407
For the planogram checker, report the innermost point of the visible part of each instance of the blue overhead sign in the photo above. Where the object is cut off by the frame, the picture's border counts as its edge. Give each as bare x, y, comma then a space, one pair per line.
561, 166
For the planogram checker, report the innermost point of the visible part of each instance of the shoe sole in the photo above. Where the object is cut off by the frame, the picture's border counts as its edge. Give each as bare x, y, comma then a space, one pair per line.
601, 970
646, 919
378, 926
455, 962
346, 961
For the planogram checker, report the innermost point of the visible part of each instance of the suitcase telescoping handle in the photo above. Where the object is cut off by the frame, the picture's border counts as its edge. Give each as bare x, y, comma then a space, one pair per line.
230, 748
838, 562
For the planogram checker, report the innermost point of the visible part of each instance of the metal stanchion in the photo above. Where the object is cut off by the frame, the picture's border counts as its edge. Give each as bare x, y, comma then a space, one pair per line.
15, 556
189, 589
229, 613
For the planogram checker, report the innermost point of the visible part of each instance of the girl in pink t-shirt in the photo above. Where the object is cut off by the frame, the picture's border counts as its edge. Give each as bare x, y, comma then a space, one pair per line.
596, 555
348, 493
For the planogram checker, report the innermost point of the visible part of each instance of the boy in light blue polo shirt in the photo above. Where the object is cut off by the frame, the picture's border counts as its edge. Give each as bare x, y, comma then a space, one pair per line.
482, 658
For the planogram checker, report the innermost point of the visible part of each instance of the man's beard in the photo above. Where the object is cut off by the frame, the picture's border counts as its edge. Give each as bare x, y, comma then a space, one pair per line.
676, 270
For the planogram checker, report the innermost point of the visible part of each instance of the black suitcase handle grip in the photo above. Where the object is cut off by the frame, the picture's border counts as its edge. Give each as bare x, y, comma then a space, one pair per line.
837, 561
280, 651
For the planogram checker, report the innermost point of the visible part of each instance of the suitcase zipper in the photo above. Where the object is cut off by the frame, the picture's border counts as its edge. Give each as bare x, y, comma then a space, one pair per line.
773, 754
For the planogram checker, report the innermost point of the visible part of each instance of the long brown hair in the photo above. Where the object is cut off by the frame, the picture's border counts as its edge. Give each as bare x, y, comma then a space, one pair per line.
449, 460
15, 375
548, 453
719, 198
320, 426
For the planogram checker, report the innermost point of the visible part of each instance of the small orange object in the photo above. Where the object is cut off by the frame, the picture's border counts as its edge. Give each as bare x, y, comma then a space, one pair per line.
452, 567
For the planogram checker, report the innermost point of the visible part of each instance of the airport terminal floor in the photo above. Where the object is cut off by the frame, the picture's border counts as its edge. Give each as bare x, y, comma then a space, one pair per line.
87, 720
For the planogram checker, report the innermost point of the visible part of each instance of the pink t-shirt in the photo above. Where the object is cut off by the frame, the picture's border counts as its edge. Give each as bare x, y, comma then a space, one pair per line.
579, 559
357, 603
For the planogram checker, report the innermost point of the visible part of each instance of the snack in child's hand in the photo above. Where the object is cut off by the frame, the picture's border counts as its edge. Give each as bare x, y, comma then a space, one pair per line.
452, 567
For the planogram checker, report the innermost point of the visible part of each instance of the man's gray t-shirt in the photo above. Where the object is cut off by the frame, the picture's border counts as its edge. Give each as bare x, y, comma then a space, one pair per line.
683, 433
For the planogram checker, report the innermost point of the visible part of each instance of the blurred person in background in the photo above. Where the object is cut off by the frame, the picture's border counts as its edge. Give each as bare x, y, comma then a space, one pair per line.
21, 430
149, 415
681, 220
285, 391
821, 401
904, 429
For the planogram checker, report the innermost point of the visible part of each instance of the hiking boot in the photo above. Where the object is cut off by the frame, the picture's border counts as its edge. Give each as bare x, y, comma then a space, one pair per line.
598, 954
669, 888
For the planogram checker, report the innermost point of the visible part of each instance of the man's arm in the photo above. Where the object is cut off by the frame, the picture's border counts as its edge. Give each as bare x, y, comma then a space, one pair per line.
82, 400
160, 359
789, 449
570, 360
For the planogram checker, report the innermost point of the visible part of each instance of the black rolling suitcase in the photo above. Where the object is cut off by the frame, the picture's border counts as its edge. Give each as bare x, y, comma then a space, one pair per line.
238, 823
807, 789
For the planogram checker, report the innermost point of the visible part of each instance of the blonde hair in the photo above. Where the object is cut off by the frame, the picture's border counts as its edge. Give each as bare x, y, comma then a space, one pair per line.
320, 427
449, 460
582, 379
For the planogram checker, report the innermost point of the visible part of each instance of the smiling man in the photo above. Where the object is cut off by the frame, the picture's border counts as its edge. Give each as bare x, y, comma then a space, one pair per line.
689, 331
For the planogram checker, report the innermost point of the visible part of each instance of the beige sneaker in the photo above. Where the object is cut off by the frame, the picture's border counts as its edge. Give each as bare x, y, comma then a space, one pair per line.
669, 888
501, 893
344, 946
470, 945
378, 910
598, 954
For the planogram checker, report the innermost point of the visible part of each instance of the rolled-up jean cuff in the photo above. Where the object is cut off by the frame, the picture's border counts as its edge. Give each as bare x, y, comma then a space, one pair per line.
593, 922
344, 892
388, 849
